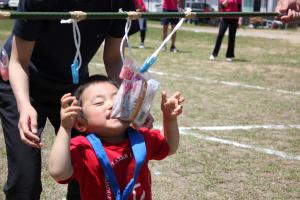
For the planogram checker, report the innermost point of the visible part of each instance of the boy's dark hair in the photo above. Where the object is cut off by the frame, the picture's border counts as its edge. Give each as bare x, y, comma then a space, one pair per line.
90, 81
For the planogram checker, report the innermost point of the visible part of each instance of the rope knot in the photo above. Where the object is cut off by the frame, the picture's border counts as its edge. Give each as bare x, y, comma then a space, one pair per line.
4, 15
78, 15
189, 14
132, 15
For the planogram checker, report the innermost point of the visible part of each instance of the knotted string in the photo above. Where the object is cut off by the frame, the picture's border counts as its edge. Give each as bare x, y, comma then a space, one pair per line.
77, 40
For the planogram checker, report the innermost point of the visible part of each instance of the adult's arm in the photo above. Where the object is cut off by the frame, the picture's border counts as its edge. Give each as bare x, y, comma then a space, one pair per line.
112, 58
240, 22
19, 80
180, 4
223, 3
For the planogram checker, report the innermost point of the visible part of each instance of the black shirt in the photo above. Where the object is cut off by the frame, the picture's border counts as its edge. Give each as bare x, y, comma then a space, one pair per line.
54, 50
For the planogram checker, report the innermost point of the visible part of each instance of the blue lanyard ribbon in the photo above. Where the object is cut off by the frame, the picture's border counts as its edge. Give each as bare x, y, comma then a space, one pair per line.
139, 151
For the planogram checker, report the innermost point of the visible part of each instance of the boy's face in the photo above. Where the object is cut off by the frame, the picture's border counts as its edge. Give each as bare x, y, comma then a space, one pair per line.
97, 102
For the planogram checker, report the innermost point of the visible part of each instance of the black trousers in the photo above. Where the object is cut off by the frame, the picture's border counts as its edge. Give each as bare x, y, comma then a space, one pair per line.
24, 162
224, 24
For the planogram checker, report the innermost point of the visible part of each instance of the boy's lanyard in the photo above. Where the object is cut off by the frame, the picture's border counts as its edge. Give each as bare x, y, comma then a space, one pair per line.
139, 151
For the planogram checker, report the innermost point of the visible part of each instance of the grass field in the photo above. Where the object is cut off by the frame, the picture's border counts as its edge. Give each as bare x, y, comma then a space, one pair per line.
231, 146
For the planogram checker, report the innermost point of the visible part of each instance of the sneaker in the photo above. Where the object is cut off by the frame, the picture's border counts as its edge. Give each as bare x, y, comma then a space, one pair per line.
142, 46
173, 49
164, 48
229, 59
212, 57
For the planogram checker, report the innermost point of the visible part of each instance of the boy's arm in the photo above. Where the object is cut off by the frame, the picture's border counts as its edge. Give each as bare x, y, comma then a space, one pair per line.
171, 134
171, 108
60, 165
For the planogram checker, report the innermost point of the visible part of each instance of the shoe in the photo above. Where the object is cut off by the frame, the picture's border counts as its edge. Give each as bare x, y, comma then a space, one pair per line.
142, 45
212, 57
229, 59
173, 49
164, 48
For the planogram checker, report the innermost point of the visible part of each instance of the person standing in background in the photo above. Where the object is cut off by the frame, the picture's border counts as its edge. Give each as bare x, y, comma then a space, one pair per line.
232, 23
141, 7
170, 6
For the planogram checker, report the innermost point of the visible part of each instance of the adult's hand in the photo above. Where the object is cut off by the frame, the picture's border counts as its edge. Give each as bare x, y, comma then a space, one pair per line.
290, 10
28, 126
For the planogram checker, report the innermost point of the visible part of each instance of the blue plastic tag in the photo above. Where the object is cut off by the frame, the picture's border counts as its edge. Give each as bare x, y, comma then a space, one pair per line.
75, 73
149, 61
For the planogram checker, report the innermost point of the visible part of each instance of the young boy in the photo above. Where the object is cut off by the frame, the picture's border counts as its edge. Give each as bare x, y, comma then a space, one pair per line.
111, 161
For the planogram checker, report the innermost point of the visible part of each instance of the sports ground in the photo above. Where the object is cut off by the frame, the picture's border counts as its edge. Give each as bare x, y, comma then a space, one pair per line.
240, 128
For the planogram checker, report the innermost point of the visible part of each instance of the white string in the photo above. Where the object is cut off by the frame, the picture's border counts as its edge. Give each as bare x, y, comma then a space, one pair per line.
77, 39
152, 58
125, 37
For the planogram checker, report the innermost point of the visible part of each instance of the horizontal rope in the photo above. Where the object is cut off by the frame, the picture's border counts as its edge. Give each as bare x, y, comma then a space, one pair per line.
124, 15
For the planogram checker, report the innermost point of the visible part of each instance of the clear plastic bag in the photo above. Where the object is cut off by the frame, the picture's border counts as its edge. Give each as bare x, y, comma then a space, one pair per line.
135, 95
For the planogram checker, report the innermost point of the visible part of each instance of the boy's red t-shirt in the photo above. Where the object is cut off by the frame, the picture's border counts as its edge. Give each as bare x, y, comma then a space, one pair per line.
89, 173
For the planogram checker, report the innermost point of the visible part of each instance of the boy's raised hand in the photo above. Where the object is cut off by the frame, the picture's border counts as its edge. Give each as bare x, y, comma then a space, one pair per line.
69, 111
172, 106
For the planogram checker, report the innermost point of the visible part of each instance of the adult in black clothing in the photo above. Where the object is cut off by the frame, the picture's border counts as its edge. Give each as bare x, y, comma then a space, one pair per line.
232, 23
42, 52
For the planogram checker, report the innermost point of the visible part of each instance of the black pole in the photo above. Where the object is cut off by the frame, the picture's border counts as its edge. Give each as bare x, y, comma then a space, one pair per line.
114, 15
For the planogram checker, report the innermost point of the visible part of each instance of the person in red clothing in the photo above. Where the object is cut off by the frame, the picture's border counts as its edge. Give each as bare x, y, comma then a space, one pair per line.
141, 7
170, 6
232, 23
106, 162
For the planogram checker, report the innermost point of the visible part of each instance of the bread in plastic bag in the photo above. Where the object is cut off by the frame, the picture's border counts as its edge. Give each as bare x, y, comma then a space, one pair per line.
135, 95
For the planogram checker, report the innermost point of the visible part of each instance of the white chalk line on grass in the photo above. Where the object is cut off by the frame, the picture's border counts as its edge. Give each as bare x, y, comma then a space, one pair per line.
187, 131
232, 84
248, 127
184, 131
244, 146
